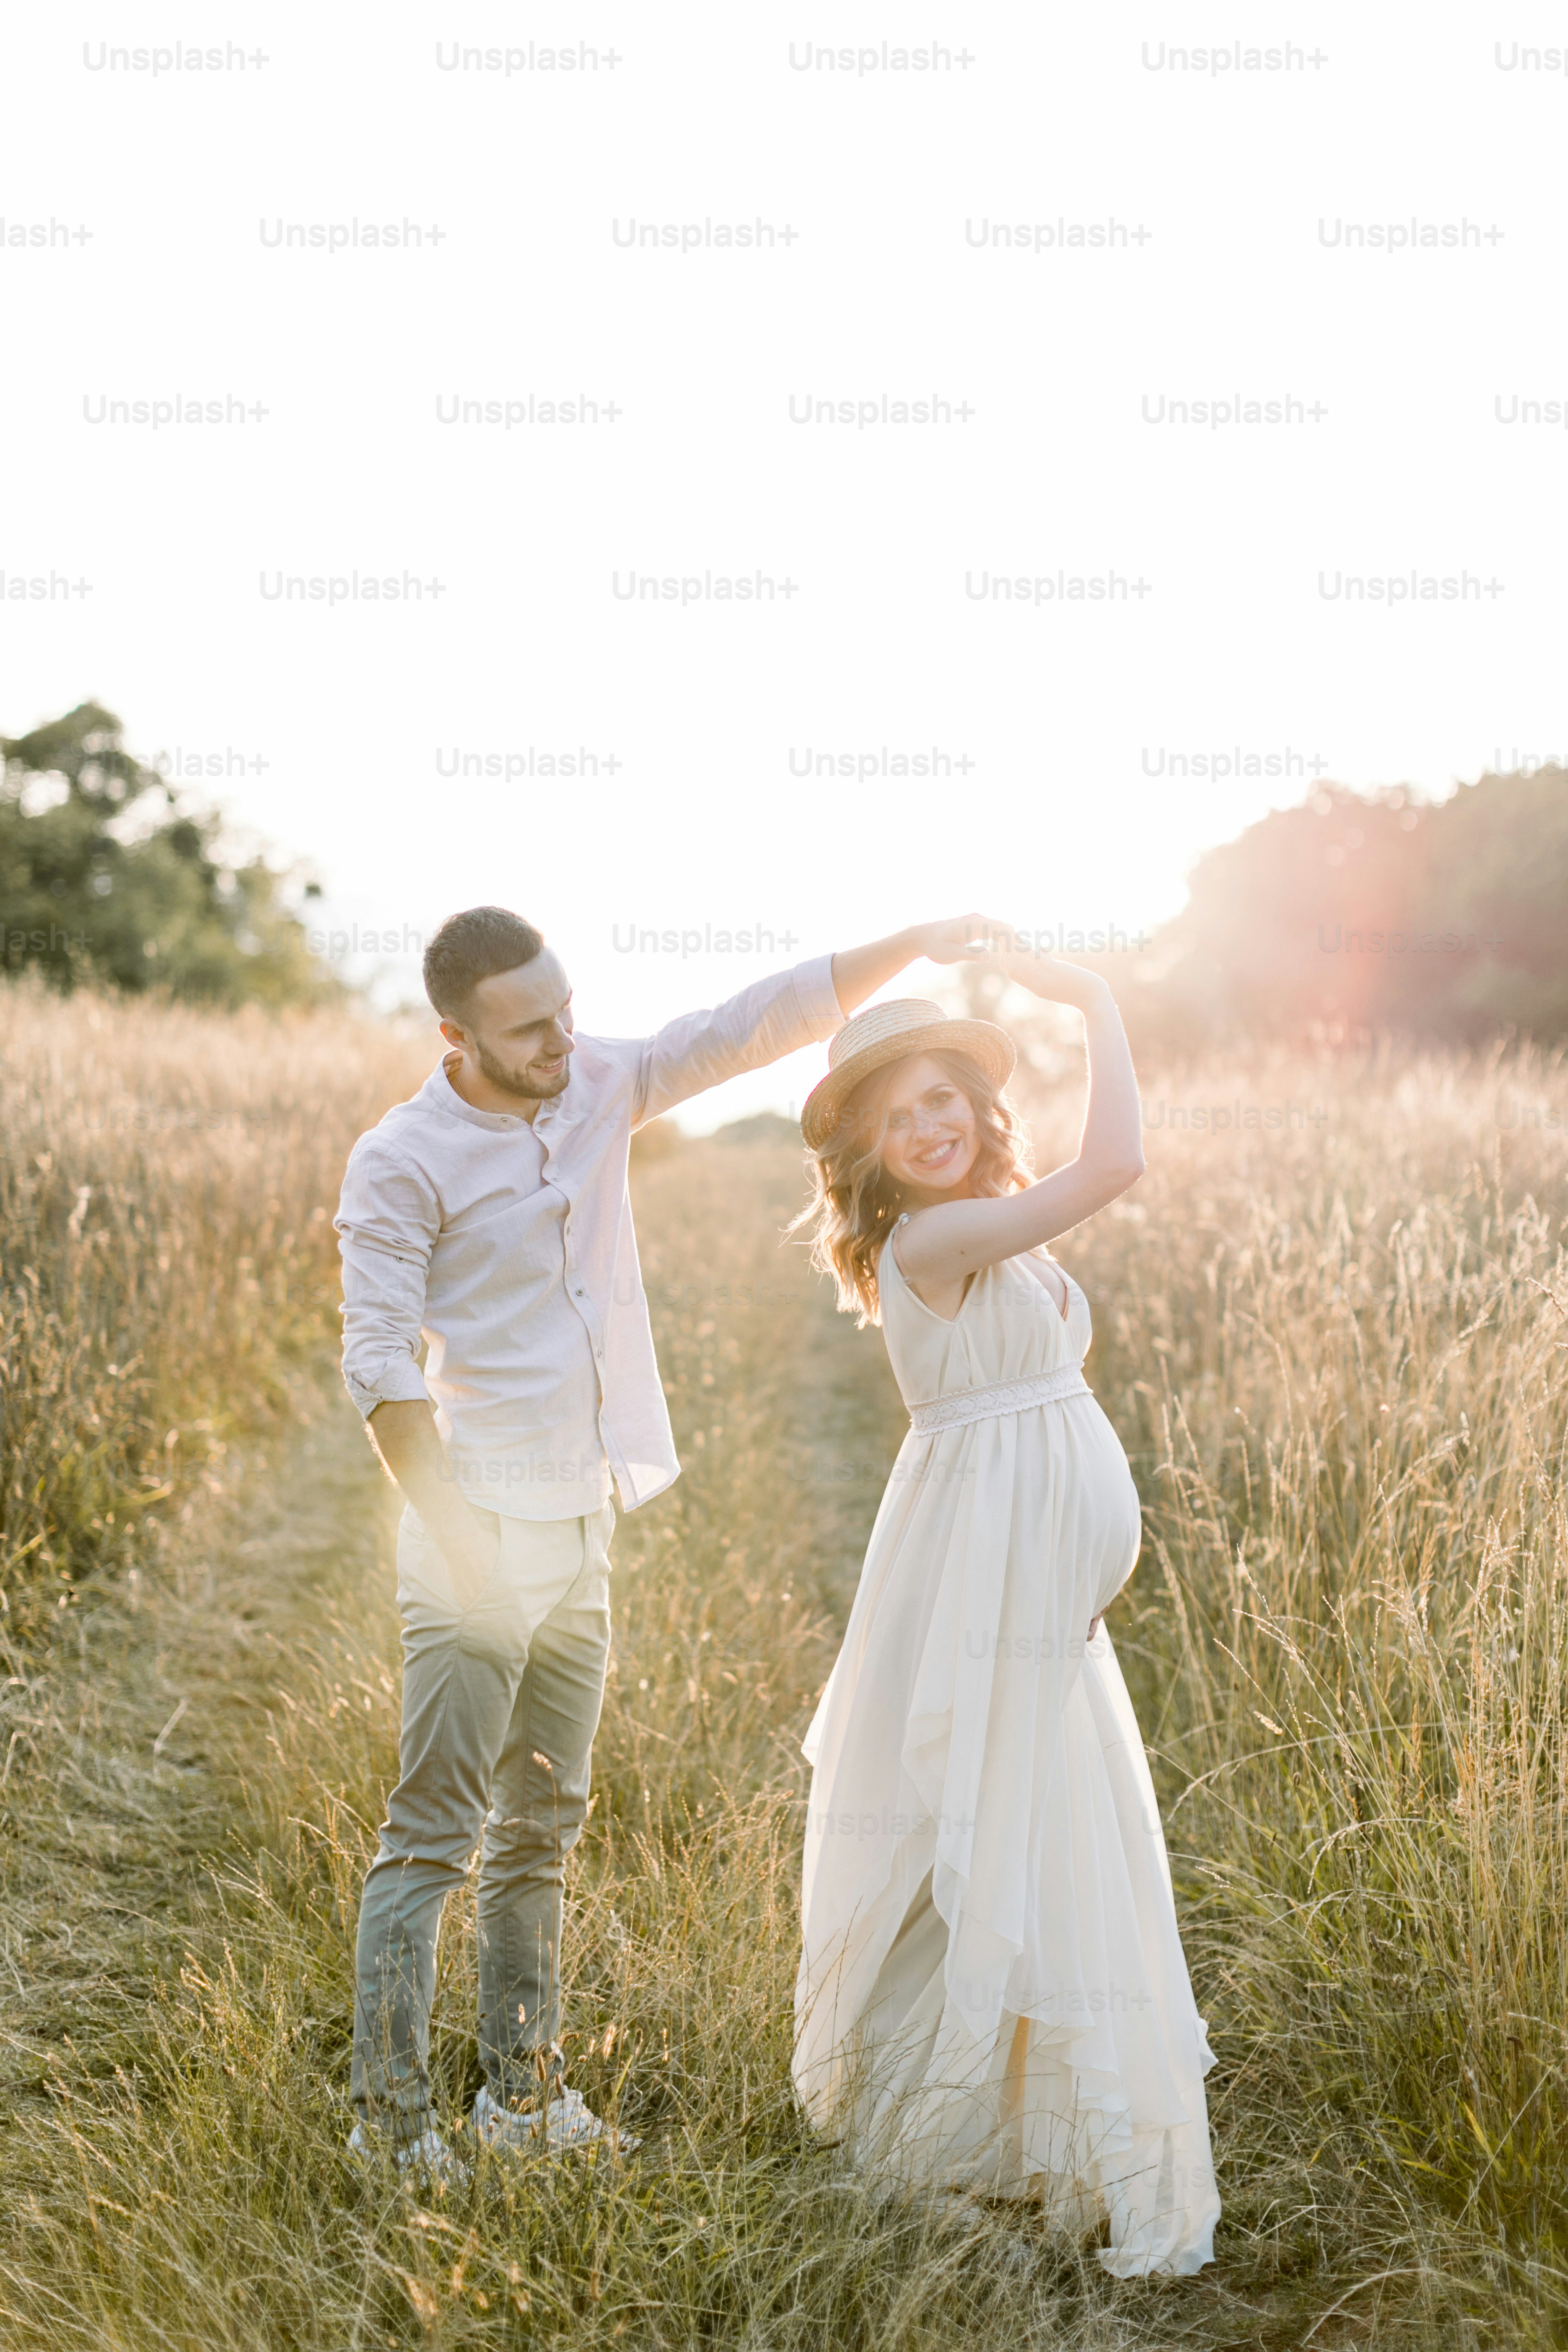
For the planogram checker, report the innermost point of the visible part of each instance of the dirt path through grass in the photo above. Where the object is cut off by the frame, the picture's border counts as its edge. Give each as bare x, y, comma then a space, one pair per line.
135, 1753
143, 1761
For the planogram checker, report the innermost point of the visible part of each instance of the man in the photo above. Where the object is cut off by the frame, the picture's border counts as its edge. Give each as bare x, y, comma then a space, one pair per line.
489, 1217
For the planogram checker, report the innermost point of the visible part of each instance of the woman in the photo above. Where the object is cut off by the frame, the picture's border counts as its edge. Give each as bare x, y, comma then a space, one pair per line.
992, 1994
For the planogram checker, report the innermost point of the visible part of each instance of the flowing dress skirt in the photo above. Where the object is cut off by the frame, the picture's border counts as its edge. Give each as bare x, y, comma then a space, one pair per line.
992, 1993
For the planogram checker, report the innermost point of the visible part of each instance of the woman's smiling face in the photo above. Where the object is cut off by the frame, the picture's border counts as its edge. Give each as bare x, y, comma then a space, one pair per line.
931, 1140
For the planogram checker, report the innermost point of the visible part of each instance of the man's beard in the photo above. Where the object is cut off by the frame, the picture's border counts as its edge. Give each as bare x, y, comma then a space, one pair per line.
511, 1083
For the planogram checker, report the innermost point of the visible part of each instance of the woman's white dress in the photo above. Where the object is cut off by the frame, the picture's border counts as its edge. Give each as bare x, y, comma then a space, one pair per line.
992, 1993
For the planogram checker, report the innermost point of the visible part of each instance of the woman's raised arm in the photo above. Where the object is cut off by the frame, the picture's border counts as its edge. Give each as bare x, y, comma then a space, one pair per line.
955, 1238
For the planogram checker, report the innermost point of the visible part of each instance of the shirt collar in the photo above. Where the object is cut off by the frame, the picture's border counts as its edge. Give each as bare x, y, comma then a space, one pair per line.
441, 1095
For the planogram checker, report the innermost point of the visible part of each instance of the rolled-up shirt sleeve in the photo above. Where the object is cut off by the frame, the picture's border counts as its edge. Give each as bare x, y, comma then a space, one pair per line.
773, 1017
387, 1223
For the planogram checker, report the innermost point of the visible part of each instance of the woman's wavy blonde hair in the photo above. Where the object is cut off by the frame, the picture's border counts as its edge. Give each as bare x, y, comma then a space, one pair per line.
855, 1203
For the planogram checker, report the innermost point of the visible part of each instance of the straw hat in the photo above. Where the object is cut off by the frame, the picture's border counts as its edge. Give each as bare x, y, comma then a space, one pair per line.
886, 1033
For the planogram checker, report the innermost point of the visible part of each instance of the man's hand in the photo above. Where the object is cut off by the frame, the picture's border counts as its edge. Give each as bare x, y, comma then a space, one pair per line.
963, 939
404, 1432
980, 938
859, 972
470, 1557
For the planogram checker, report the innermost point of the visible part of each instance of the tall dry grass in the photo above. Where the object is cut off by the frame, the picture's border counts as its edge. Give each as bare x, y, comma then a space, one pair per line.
167, 1184
1337, 1355
1335, 1351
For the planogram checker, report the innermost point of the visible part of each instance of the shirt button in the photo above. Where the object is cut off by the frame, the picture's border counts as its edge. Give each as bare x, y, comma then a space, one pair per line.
580, 1294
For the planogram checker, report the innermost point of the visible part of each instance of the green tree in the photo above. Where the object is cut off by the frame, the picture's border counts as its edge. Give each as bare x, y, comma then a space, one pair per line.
104, 877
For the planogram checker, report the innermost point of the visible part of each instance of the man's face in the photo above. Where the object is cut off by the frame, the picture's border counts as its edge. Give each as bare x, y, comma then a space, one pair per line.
518, 1028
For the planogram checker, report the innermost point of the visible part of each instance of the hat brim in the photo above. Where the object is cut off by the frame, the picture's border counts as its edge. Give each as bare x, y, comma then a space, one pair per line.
978, 1041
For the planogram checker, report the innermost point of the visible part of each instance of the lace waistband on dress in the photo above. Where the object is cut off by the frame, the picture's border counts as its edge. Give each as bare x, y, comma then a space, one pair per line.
964, 1406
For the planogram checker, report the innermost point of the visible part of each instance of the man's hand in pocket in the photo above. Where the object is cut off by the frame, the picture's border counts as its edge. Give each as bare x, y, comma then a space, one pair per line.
471, 1553
468, 1539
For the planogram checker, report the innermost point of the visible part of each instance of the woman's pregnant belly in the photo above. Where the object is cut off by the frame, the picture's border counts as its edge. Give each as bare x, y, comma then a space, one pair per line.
1104, 1511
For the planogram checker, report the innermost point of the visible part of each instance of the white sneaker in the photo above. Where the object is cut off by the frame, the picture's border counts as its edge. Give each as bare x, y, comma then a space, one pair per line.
429, 2153
569, 2122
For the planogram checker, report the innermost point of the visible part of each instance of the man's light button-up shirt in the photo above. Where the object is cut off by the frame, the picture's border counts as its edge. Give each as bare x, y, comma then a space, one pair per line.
508, 1250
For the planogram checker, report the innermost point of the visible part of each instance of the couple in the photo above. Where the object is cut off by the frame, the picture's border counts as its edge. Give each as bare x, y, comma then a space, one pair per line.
993, 1995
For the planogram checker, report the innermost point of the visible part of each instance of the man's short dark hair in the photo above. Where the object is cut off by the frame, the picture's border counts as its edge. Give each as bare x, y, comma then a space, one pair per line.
468, 948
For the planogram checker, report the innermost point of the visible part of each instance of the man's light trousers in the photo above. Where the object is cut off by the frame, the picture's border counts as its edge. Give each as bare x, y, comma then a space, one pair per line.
501, 1703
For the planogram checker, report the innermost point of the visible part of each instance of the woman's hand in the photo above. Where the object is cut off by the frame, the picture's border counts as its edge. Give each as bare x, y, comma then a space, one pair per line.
1044, 975
980, 939
963, 939
1057, 982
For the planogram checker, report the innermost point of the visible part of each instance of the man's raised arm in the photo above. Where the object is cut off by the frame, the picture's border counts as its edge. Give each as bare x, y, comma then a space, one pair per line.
778, 1016
859, 972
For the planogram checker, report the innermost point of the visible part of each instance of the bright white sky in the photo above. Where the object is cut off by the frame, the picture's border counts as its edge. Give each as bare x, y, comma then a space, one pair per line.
1426, 114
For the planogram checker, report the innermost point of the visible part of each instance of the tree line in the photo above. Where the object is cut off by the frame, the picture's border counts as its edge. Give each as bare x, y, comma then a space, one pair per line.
1350, 913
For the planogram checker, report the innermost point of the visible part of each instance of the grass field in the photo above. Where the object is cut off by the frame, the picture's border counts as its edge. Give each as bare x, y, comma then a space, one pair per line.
1334, 1348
